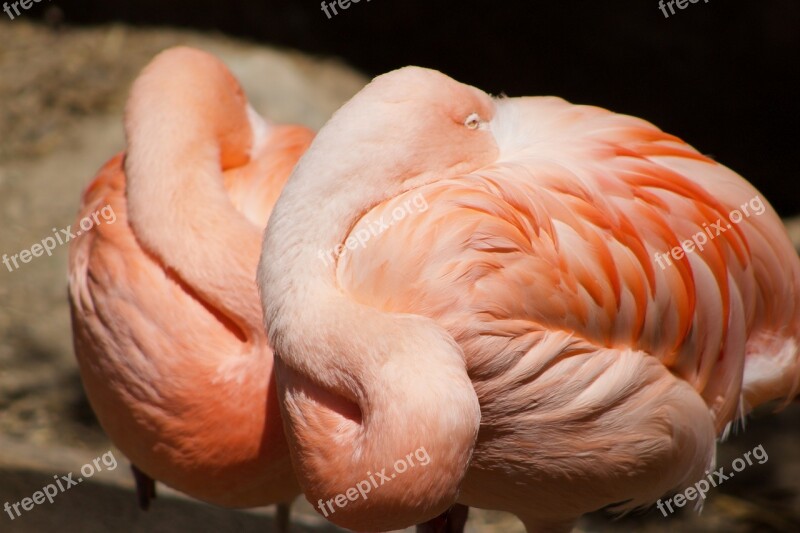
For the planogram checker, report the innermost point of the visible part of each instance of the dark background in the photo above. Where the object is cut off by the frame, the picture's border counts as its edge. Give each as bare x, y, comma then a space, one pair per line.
723, 75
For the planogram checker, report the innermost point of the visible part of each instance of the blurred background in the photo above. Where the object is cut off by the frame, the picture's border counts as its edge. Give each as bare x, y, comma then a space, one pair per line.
721, 75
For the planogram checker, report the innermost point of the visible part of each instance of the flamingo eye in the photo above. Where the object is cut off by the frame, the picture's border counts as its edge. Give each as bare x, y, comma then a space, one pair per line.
473, 121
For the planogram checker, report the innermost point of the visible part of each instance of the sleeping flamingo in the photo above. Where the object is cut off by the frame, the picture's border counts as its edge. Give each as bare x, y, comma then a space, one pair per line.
166, 316
518, 324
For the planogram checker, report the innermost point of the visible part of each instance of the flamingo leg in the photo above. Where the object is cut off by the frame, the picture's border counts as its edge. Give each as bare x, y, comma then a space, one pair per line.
451, 521
282, 516
145, 488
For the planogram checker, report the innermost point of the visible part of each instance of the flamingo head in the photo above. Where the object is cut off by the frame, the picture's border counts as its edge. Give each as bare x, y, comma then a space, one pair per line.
410, 127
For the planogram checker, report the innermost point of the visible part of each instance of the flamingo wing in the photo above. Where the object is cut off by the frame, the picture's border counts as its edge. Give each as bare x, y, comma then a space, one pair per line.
562, 233
144, 340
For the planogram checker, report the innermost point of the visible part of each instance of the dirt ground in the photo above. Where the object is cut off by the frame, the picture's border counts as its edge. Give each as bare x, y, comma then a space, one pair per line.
61, 97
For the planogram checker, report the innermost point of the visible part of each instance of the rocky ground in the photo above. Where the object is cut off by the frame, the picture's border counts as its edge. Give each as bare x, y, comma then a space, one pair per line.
61, 97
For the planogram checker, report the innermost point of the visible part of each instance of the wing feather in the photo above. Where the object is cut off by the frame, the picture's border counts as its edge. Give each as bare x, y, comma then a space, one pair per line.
561, 234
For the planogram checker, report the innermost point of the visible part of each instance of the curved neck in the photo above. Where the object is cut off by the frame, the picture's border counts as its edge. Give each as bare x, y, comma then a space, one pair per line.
186, 122
361, 389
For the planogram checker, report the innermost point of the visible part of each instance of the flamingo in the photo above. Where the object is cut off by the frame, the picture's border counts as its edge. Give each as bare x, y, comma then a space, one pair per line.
518, 327
165, 311
167, 323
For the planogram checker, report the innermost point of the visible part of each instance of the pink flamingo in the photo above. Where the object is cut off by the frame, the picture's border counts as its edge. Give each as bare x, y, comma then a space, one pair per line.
518, 325
166, 315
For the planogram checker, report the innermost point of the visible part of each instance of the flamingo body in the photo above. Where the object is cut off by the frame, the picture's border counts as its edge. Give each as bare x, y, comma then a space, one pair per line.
588, 358
166, 318
602, 378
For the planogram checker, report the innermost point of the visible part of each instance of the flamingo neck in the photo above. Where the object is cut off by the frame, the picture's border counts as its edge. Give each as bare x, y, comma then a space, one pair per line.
178, 205
361, 388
